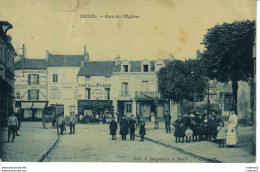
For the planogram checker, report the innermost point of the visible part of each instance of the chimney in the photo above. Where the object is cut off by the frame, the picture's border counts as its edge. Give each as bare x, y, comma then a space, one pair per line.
198, 54
47, 55
86, 54
171, 57
117, 60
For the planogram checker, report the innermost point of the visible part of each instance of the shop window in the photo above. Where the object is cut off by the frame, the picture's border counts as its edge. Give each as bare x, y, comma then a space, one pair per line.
146, 68
129, 108
55, 77
33, 79
228, 102
87, 93
33, 94
125, 68
124, 90
107, 92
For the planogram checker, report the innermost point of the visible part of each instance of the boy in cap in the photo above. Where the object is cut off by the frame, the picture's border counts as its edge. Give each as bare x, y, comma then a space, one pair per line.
132, 126
113, 128
12, 125
142, 131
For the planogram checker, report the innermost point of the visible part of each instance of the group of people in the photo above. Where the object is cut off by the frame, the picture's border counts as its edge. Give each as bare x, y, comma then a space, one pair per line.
14, 124
207, 126
126, 126
63, 121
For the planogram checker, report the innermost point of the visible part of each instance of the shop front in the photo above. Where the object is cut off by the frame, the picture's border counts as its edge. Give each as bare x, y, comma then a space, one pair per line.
31, 110
95, 109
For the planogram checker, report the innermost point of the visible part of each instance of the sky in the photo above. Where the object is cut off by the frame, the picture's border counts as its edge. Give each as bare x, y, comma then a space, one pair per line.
162, 26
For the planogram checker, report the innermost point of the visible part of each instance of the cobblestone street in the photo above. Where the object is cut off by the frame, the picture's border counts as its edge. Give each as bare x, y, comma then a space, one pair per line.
30, 146
92, 143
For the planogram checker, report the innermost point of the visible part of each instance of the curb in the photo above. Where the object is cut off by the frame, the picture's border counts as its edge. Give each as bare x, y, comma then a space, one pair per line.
49, 150
183, 151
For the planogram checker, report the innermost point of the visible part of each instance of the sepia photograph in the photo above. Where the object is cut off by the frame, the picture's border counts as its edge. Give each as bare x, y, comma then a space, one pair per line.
138, 81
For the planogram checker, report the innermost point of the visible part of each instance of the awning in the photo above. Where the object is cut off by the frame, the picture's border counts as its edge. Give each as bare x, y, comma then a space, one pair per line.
39, 105
26, 105
31, 104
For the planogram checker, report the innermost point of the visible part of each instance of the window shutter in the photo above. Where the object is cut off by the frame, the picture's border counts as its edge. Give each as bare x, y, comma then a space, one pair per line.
29, 94
29, 79
38, 94
37, 79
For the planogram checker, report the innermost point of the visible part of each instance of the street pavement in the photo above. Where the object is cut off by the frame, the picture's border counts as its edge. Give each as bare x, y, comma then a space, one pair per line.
30, 146
92, 143
241, 153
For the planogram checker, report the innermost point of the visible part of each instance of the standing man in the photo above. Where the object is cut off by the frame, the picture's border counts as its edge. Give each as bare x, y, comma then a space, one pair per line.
113, 128
19, 118
72, 123
12, 125
132, 127
123, 127
167, 120
142, 130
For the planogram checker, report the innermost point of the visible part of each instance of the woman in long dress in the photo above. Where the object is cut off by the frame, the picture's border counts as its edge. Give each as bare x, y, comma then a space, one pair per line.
232, 130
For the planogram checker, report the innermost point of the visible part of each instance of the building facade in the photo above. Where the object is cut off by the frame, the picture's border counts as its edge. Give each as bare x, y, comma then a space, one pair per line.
31, 88
135, 89
62, 81
94, 88
7, 54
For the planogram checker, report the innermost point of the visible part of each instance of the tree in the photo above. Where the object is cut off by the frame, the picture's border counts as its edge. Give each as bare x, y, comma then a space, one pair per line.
229, 53
176, 82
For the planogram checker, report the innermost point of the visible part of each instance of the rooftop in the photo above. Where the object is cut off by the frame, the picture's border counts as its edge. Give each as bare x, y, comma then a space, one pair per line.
30, 64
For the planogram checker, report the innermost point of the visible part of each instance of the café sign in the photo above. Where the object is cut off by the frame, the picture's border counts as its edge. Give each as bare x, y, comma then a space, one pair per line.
95, 85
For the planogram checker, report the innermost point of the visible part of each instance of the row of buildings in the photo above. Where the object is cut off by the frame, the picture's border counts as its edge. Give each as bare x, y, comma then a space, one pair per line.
7, 54
81, 86
85, 87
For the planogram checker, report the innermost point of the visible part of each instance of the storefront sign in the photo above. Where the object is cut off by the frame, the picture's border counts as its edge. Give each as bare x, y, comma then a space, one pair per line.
95, 85
34, 71
95, 103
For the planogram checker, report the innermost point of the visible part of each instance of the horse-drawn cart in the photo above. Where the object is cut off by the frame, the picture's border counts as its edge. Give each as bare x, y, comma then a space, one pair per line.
48, 116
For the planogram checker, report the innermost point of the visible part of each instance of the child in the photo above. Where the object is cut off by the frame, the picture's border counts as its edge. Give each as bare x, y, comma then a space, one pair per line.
142, 129
221, 136
113, 128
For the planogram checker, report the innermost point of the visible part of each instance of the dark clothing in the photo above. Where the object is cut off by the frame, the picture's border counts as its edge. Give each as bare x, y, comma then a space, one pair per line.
177, 128
113, 127
124, 127
142, 128
167, 119
11, 129
72, 128
132, 124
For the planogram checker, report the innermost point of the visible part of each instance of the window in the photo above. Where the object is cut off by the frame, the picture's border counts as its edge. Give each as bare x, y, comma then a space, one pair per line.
55, 78
124, 90
107, 93
55, 93
87, 93
107, 78
33, 79
87, 78
146, 68
228, 102
145, 86
129, 108
33, 94
125, 68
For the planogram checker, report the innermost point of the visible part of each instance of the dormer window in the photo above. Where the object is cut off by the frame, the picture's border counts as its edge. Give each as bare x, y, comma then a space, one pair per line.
159, 64
125, 68
146, 68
